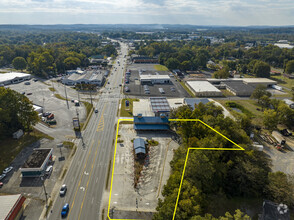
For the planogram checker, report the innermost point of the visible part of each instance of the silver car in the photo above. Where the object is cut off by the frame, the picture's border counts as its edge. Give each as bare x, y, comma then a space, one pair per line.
63, 190
7, 170
2, 176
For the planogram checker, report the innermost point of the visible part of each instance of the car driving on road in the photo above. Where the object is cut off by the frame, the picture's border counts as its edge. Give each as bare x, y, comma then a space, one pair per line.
65, 210
63, 190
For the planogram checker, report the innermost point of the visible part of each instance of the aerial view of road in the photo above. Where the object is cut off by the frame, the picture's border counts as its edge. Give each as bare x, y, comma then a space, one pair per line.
87, 174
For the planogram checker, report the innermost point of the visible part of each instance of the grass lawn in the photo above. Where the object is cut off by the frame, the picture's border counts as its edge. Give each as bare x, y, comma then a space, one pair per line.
186, 88
89, 112
226, 93
159, 67
251, 106
283, 81
52, 89
129, 111
60, 97
11, 147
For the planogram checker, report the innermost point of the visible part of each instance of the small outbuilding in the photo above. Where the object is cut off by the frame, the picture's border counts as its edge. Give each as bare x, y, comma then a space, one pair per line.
271, 210
140, 147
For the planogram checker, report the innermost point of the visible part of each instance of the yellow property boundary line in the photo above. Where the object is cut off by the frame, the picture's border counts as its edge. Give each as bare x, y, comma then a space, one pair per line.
195, 120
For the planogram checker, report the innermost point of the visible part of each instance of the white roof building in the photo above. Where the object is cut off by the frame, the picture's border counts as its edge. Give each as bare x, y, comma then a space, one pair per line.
154, 79
203, 89
13, 77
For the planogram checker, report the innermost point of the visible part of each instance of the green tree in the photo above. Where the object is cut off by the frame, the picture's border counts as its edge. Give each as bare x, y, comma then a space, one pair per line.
261, 69
270, 119
72, 63
290, 67
19, 63
222, 73
280, 188
259, 92
172, 63
16, 111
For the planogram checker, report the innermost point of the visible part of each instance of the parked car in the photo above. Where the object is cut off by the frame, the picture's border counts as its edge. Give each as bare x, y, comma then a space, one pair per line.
7, 170
51, 116
285, 132
72, 100
49, 169
27, 83
63, 190
2, 176
29, 93
23, 93
65, 210
46, 114
35, 80
96, 110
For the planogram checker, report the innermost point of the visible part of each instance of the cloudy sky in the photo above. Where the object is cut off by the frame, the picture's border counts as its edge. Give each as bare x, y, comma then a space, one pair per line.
198, 12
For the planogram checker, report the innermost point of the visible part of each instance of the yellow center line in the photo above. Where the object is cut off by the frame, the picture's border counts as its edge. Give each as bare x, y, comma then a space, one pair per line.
101, 121
92, 143
89, 180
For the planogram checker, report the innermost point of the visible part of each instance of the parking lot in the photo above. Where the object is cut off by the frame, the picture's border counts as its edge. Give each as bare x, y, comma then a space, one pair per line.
172, 89
153, 176
32, 188
39, 93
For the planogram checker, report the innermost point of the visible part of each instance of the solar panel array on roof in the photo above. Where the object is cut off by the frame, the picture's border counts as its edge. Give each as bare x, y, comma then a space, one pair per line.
159, 104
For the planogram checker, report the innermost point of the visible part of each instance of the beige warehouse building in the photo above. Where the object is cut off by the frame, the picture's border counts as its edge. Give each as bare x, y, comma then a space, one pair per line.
203, 89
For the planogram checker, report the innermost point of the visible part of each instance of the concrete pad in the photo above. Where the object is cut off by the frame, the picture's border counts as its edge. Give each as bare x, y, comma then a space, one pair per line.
142, 107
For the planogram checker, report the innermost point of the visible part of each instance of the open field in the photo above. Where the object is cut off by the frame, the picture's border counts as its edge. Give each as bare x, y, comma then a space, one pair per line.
159, 67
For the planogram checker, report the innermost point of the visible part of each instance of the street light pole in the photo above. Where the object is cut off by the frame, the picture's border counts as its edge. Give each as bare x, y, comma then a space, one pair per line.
66, 96
42, 179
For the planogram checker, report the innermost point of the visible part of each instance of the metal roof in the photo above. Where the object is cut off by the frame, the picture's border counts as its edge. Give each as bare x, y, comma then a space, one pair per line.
239, 86
140, 150
7, 203
202, 86
10, 76
139, 142
150, 77
159, 104
150, 120
192, 101
151, 127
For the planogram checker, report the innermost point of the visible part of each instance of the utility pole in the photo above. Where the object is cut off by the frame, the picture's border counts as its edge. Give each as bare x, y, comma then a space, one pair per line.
91, 96
66, 96
42, 179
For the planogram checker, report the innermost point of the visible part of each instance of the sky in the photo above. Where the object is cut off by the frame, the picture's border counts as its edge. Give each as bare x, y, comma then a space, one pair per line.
195, 12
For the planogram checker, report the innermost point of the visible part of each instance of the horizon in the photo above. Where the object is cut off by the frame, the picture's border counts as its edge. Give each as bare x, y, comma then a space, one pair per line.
182, 12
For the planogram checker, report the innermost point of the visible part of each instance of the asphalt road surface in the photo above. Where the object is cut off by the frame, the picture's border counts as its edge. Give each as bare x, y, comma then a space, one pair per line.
86, 177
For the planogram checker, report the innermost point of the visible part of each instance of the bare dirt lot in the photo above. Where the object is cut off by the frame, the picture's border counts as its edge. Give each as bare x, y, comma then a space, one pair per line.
154, 175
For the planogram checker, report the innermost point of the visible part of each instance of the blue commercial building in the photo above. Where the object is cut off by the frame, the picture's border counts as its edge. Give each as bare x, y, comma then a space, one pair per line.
150, 123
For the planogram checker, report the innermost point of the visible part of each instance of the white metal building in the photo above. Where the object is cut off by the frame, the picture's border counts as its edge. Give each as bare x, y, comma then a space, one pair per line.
203, 89
154, 79
91, 77
258, 81
13, 77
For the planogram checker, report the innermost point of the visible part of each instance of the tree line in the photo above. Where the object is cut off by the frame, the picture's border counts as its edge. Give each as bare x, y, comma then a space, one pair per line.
16, 112
214, 175
193, 55
48, 54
